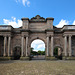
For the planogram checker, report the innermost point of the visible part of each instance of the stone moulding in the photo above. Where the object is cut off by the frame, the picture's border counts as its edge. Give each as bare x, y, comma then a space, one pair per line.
28, 58
50, 58
5, 58
68, 58
24, 58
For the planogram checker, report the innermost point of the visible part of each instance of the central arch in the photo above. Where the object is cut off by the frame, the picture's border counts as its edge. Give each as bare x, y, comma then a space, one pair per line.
38, 49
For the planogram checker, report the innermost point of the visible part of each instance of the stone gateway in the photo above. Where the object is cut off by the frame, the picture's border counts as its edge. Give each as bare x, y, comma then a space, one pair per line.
16, 42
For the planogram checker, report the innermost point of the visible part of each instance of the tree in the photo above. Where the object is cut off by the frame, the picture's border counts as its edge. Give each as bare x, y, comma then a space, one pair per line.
32, 51
41, 52
37, 53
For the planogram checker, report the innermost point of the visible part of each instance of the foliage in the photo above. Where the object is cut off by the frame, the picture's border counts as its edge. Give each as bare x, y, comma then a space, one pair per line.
56, 51
37, 53
41, 52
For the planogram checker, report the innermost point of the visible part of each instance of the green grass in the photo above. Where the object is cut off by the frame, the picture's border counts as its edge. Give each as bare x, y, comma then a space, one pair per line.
37, 68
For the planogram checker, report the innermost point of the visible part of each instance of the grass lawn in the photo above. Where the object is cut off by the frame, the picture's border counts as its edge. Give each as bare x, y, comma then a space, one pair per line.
37, 67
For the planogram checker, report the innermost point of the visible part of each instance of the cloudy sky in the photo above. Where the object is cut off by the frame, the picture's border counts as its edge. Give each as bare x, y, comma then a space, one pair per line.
38, 45
11, 11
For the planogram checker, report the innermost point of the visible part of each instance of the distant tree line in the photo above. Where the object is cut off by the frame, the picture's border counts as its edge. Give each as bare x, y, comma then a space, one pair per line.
37, 53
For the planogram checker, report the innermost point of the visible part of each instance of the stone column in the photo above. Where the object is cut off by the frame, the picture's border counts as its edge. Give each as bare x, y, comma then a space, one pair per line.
69, 45
65, 45
22, 46
47, 46
9, 45
26, 46
5, 41
51, 45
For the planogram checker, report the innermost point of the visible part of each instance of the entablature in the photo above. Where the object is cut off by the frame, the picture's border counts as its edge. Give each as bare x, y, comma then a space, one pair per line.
6, 27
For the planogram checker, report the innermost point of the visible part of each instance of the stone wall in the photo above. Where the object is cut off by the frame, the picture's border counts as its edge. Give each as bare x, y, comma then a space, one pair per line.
58, 40
37, 26
16, 41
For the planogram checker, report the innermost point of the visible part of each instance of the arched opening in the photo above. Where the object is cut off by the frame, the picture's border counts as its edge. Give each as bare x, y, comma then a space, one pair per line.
58, 52
37, 51
17, 53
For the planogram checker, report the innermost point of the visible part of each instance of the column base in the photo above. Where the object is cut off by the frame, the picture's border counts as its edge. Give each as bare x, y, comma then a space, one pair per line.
5, 58
51, 58
69, 58
24, 58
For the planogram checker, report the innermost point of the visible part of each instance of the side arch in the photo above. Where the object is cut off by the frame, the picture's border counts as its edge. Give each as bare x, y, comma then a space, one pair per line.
17, 52
58, 46
58, 52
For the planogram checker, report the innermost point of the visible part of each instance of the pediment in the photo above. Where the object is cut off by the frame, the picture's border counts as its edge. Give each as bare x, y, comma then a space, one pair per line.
37, 18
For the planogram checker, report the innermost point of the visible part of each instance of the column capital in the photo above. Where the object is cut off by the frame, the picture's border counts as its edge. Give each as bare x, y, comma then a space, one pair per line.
22, 35
4, 35
9, 35
49, 35
52, 35
26, 35
65, 35
70, 35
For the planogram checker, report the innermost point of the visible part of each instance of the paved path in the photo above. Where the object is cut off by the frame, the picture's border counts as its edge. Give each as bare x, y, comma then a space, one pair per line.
39, 57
